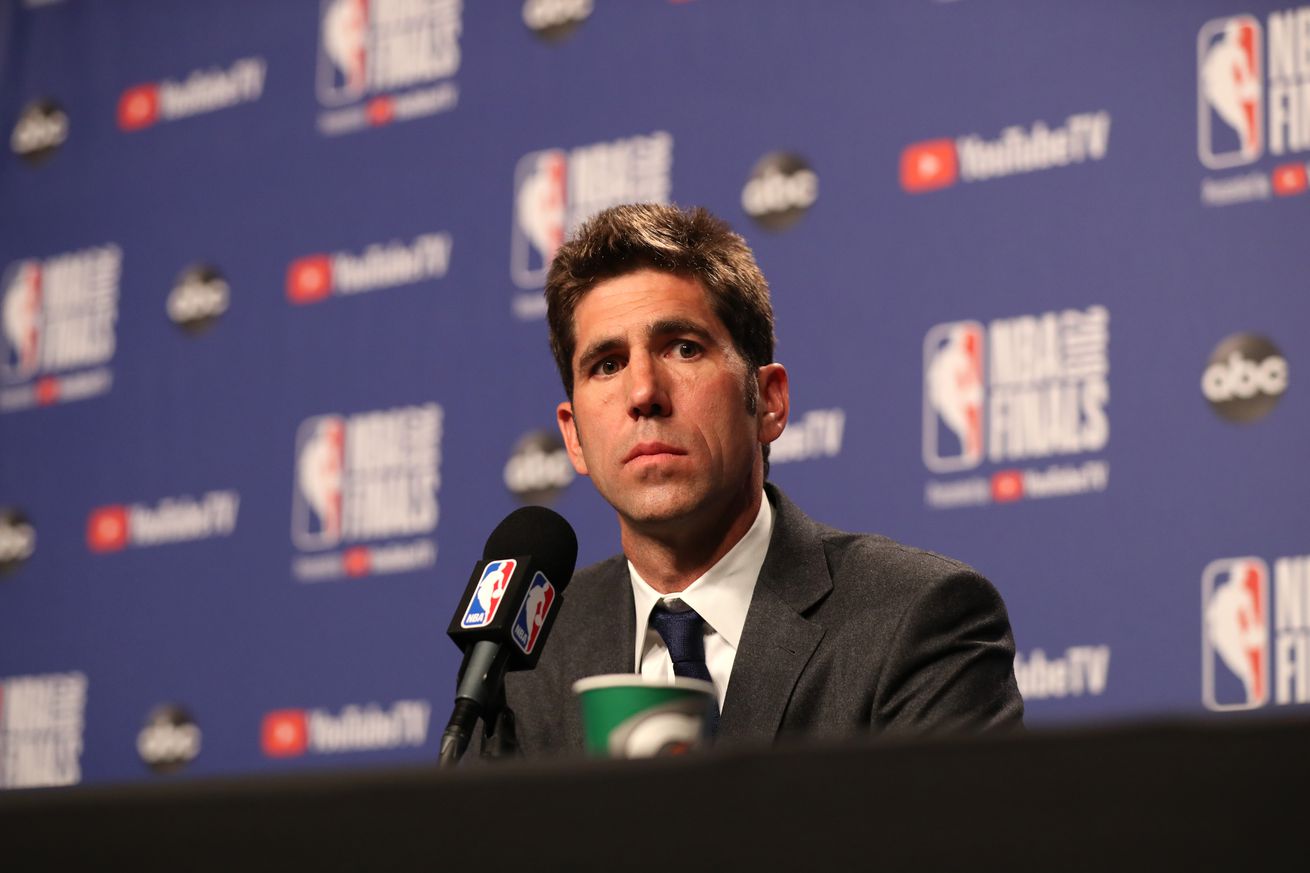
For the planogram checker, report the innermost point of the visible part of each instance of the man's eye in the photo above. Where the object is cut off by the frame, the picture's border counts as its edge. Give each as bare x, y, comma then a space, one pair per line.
607, 367
688, 349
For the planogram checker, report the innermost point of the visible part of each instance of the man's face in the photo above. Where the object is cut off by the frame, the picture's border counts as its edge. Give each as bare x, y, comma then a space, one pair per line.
658, 417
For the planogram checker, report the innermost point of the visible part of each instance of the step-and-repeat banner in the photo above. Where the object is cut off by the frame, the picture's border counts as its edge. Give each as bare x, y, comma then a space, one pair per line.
274, 357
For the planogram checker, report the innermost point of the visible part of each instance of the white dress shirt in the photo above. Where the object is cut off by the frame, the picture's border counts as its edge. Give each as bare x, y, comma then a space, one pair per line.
721, 597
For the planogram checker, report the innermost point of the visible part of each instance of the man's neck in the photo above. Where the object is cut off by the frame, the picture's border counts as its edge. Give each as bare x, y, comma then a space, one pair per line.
670, 557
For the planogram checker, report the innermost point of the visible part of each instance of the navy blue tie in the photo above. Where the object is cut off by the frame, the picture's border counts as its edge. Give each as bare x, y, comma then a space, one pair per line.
683, 633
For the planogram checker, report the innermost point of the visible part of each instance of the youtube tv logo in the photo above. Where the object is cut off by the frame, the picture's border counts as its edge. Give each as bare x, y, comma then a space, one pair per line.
929, 165
381, 110
368, 727
933, 164
309, 279
1007, 486
392, 264
47, 391
107, 529
138, 108
285, 733
182, 518
200, 91
1290, 179
357, 561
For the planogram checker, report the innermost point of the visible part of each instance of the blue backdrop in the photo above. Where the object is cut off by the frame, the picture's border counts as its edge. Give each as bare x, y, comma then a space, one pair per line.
275, 360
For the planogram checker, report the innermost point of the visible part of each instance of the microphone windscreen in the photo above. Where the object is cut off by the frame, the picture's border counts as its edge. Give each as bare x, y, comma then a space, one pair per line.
541, 533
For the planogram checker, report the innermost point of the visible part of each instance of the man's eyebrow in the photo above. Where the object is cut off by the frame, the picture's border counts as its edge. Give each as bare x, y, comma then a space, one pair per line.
668, 326
599, 348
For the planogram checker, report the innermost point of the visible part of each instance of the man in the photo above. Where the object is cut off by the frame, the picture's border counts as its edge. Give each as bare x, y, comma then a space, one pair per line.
662, 329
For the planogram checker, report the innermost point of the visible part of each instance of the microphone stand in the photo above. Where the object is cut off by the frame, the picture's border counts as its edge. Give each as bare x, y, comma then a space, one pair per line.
483, 675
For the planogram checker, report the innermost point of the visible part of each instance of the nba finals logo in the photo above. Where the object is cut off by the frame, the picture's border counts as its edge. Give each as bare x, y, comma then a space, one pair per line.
343, 64
42, 729
1019, 389
953, 397
1255, 632
540, 214
58, 319
386, 60
1230, 92
1235, 638
1253, 102
366, 477
556, 190
319, 463
23, 319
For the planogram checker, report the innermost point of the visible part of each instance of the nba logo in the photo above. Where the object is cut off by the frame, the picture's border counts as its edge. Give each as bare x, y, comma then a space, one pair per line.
486, 598
21, 316
343, 52
1235, 634
320, 462
1229, 92
527, 625
953, 396
540, 215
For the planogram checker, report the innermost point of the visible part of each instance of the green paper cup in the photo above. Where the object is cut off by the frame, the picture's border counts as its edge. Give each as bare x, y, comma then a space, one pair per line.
626, 716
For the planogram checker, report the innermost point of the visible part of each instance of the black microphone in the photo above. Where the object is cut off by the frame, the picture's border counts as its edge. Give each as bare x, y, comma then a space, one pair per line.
507, 611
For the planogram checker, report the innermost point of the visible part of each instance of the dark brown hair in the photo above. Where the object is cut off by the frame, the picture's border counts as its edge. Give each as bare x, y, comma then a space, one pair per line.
690, 243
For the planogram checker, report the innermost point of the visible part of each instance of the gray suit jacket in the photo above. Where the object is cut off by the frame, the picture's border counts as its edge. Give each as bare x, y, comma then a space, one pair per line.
846, 634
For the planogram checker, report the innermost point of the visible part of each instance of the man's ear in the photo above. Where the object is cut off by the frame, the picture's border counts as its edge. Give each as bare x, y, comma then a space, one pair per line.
568, 429
775, 404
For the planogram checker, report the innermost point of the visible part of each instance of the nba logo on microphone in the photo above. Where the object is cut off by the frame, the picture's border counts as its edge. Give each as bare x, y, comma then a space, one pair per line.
482, 608
532, 615
1235, 666
1230, 92
953, 396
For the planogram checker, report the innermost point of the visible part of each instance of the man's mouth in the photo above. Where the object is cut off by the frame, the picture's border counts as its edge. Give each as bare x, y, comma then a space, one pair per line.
652, 450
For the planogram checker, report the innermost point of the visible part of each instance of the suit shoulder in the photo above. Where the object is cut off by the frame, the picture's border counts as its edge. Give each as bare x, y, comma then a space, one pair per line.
878, 582
596, 581
875, 548
878, 560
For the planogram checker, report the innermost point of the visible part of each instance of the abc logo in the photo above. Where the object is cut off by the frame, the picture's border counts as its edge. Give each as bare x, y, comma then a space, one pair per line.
17, 540
781, 189
1245, 377
539, 468
170, 739
199, 297
41, 129
553, 20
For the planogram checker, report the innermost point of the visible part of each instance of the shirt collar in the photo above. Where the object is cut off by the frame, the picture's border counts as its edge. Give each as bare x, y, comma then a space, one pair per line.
723, 595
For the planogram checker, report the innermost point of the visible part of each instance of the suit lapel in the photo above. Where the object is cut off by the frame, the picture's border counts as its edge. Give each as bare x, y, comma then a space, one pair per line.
609, 649
777, 641
607, 644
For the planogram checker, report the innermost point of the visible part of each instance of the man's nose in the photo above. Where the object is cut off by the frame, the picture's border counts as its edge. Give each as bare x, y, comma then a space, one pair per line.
647, 390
